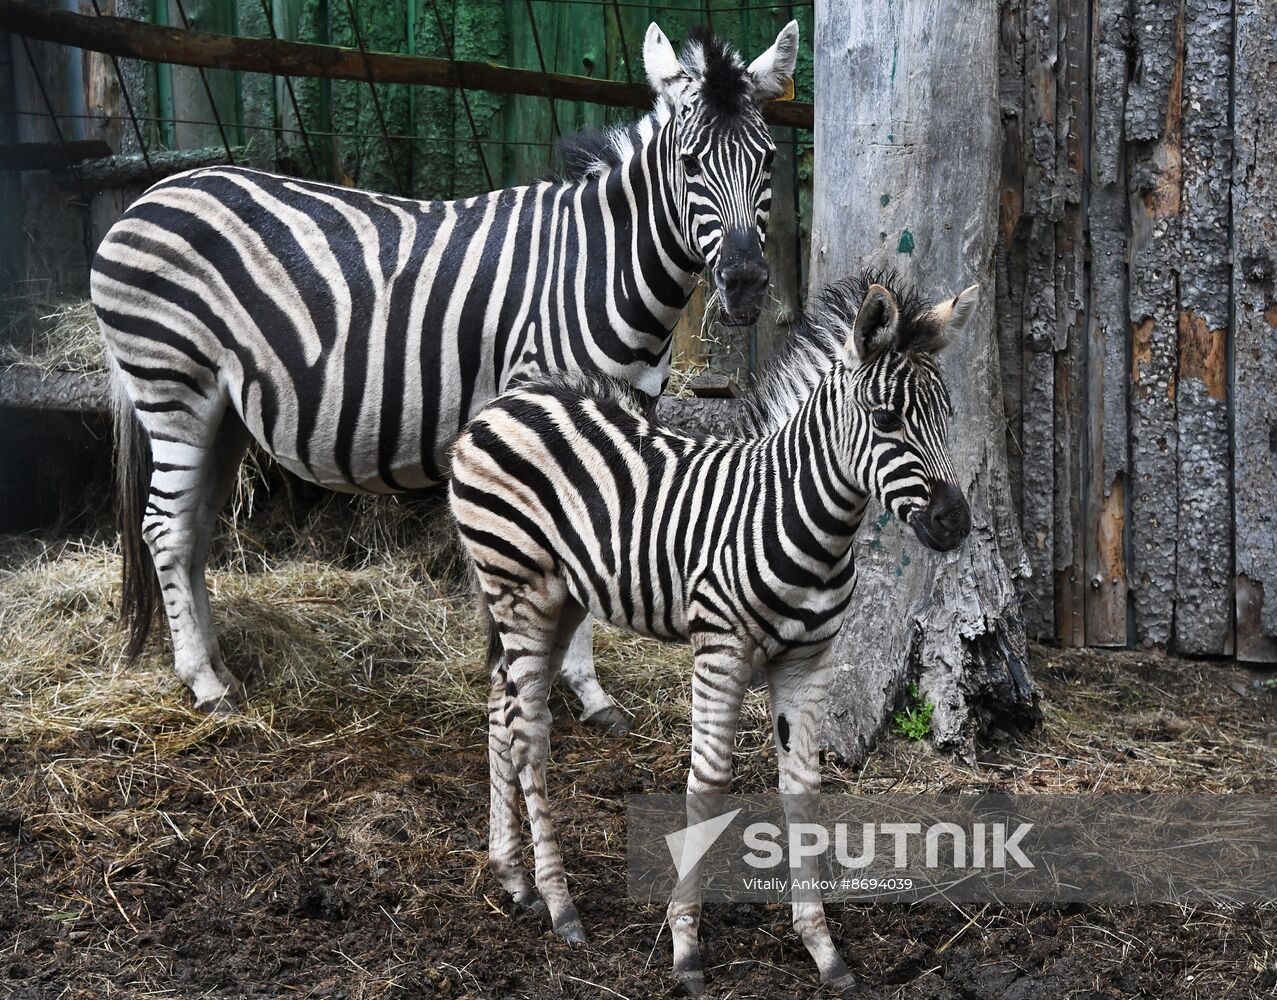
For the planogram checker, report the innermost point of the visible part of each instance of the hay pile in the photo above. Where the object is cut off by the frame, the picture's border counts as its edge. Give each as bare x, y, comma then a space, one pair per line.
51, 336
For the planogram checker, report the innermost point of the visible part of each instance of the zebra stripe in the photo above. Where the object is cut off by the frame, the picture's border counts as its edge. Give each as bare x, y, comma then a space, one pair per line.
571, 500
353, 334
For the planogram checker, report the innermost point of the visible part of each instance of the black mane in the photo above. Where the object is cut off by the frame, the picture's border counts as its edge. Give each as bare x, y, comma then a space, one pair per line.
726, 91
725, 85
920, 330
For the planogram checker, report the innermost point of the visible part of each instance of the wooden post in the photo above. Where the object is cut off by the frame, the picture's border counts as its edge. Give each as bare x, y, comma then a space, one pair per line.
907, 142
1254, 197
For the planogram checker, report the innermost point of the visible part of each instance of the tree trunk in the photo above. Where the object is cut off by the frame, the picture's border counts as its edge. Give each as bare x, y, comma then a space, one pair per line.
908, 142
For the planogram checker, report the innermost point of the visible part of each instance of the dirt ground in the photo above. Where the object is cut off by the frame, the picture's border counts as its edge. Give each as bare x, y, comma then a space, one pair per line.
329, 841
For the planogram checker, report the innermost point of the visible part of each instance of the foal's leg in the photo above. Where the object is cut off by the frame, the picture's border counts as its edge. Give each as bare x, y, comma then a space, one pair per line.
532, 642
504, 840
597, 708
719, 682
798, 709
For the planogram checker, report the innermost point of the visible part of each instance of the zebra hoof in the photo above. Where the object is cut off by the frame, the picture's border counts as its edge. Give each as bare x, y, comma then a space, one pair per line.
224, 705
610, 720
690, 983
572, 932
839, 983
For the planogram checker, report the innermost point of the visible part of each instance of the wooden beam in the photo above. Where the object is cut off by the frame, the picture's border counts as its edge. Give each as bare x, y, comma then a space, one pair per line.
123, 37
50, 155
132, 168
23, 388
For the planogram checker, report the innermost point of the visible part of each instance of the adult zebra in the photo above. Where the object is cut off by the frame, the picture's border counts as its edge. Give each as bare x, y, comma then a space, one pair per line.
570, 500
353, 334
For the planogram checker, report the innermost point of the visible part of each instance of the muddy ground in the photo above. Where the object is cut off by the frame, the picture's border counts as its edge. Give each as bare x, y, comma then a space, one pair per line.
329, 842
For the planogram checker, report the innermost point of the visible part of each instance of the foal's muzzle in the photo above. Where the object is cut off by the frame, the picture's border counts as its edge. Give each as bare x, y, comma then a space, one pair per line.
945, 522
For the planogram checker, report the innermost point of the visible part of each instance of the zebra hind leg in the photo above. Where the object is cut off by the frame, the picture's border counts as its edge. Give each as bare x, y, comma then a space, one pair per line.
222, 469
531, 649
598, 710
182, 475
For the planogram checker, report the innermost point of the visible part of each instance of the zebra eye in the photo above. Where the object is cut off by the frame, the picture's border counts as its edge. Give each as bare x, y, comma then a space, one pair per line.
886, 421
768, 159
691, 164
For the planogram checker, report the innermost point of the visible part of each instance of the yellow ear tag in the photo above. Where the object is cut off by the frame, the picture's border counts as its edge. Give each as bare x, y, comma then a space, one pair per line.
788, 95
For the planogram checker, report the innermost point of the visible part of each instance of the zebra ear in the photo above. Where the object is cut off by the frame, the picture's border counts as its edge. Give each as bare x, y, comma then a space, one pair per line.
772, 73
664, 72
952, 317
877, 324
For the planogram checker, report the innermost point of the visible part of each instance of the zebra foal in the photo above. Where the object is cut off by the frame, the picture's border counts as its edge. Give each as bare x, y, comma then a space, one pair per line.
571, 501
353, 334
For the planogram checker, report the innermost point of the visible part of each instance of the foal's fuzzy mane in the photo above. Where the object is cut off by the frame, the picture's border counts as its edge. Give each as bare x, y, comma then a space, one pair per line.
725, 90
816, 341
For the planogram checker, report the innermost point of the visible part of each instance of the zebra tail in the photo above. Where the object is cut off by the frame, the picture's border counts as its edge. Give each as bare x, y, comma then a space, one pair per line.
140, 590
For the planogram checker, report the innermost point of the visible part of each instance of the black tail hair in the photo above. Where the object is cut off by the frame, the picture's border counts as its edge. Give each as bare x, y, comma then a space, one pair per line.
140, 590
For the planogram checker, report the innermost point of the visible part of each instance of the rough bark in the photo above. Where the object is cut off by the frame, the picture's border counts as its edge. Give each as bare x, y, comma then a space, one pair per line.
907, 144
1254, 195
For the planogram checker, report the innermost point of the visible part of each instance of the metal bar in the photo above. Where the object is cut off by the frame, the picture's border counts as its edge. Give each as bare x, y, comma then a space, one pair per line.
620, 34
208, 91
128, 103
536, 39
465, 100
292, 97
376, 101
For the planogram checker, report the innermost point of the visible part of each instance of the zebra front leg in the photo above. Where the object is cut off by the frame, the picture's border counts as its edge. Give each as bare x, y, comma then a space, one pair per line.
719, 681
597, 708
527, 717
797, 691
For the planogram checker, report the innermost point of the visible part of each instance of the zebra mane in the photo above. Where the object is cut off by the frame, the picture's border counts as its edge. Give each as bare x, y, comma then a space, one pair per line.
725, 90
816, 341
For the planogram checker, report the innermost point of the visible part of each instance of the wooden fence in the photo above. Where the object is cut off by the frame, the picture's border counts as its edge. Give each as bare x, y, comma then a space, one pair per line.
455, 139
1137, 318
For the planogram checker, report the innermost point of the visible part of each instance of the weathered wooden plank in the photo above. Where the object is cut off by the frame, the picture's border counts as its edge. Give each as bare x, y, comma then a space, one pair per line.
257, 90
1204, 555
1153, 130
1254, 203
476, 37
196, 48
1070, 297
371, 118
1106, 539
202, 95
54, 222
12, 264
1040, 332
1010, 260
433, 110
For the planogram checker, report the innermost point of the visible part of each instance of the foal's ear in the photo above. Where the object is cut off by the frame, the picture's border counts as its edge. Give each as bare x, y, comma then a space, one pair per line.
772, 73
877, 325
665, 74
954, 315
